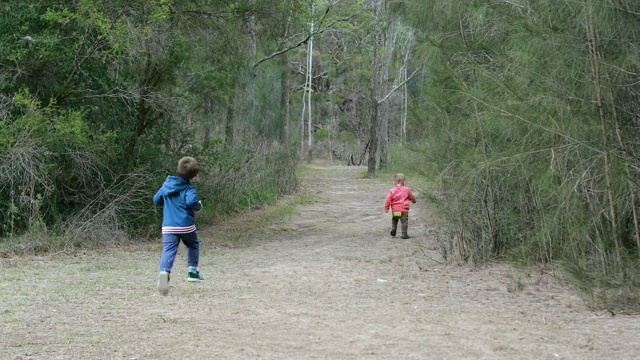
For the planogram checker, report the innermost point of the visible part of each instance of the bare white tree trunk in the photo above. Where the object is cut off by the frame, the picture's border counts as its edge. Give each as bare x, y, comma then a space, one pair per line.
306, 96
304, 109
310, 80
405, 106
285, 85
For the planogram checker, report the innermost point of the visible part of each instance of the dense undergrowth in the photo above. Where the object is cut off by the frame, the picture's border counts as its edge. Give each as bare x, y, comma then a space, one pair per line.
46, 214
482, 226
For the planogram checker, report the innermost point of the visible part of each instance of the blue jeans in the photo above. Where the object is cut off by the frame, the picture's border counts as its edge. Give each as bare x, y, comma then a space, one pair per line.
170, 244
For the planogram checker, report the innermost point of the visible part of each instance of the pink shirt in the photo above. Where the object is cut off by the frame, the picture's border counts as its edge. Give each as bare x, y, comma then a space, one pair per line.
398, 198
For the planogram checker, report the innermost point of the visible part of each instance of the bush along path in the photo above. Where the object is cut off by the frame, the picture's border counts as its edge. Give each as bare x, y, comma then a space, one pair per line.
325, 280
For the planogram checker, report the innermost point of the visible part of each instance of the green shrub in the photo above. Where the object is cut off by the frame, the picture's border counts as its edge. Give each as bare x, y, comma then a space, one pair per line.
51, 164
321, 134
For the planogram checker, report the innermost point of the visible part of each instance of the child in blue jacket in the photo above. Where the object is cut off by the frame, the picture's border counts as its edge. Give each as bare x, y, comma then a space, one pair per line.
179, 201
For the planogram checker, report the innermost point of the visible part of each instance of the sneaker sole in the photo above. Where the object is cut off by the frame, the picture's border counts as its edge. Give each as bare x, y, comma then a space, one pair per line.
163, 283
194, 280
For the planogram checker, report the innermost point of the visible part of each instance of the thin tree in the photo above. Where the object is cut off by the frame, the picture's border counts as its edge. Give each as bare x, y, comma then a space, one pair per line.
375, 76
385, 85
310, 83
306, 95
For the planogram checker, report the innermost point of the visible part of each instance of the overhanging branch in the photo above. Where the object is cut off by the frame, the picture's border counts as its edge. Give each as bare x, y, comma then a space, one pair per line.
398, 86
306, 38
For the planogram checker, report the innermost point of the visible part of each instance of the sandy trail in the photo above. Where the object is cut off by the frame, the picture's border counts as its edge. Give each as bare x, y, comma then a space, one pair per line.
327, 282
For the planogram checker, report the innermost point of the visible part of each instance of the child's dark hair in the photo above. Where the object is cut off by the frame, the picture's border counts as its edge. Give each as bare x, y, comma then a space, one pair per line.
188, 168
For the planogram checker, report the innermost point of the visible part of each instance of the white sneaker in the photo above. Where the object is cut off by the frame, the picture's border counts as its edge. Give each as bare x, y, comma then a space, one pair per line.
163, 283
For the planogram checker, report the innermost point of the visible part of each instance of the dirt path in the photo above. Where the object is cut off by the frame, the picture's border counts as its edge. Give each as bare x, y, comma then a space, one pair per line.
329, 282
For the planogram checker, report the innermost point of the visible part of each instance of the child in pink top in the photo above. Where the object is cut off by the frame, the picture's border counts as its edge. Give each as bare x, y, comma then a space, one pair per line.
398, 199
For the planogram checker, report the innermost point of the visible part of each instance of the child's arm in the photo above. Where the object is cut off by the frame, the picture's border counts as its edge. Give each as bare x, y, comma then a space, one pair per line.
191, 200
412, 197
158, 199
387, 202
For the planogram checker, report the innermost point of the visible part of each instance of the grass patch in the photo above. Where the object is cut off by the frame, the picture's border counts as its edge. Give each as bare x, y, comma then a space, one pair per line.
303, 199
34, 243
41, 242
300, 169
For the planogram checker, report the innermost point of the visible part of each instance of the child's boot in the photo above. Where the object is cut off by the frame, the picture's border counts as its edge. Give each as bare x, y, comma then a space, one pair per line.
394, 224
405, 230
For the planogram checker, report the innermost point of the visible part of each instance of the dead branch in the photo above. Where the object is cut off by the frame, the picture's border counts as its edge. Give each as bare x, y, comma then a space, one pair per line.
306, 38
398, 86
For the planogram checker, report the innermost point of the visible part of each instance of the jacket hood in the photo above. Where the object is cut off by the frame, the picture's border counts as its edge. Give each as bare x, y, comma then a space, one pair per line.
174, 184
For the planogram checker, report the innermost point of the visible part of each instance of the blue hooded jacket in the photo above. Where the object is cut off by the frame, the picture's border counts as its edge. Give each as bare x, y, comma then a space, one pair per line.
179, 200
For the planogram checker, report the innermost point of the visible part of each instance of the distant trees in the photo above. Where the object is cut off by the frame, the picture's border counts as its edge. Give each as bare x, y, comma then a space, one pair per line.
130, 86
388, 55
218, 79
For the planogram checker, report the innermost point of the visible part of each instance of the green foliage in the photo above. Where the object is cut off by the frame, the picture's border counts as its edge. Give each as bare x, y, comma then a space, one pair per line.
130, 86
346, 137
49, 157
321, 134
99, 99
527, 124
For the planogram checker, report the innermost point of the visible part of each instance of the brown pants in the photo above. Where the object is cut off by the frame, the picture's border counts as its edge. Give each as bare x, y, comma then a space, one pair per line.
404, 221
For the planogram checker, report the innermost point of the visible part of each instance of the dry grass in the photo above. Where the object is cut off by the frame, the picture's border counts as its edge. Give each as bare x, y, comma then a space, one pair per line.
312, 278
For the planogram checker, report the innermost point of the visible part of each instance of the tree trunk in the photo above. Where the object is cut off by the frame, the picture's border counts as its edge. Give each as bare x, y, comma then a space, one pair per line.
285, 85
375, 76
250, 100
306, 96
386, 87
309, 84
405, 102
228, 126
405, 89
304, 109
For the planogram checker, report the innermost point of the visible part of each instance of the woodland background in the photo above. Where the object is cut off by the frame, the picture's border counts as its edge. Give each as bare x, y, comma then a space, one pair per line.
521, 116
